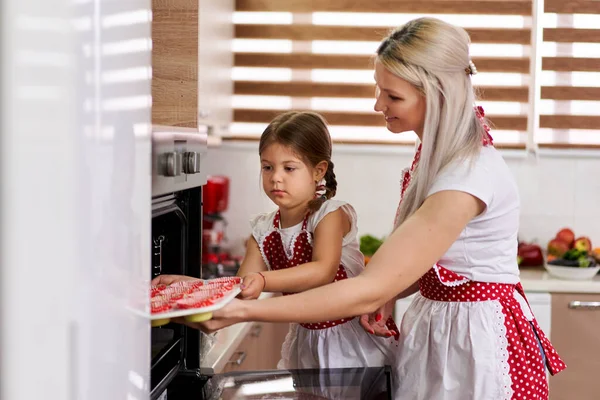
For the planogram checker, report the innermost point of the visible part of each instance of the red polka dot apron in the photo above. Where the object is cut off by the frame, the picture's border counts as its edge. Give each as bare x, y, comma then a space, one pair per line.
300, 252
523, 369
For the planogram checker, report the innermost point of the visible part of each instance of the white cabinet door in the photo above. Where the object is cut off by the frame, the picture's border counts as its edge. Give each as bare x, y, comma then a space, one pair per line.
215, 62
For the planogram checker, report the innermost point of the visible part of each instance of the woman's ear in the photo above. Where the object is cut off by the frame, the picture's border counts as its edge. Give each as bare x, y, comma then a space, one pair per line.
320, 170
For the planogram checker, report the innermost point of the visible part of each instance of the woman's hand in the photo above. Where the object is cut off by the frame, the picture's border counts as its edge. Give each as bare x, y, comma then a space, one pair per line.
233, 313
252, 286
170, 279
376, 323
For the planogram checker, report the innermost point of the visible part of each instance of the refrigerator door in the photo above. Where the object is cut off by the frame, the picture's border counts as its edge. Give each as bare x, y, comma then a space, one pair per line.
75, 194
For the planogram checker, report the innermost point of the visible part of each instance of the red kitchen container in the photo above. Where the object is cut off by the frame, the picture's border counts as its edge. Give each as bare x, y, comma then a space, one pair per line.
215, 194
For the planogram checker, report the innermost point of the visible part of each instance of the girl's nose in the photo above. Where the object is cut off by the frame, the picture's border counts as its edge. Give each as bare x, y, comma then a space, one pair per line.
276, 176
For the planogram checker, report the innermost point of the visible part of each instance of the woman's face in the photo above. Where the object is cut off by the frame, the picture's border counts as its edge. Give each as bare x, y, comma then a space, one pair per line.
402, 105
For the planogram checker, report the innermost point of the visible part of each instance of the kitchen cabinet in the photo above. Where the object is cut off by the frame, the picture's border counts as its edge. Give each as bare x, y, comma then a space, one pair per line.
175, 63
192, 63
576, 337
260, 349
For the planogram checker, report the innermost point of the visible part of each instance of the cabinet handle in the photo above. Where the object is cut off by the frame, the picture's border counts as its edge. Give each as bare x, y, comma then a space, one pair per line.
240, 359
256, 330
588, 305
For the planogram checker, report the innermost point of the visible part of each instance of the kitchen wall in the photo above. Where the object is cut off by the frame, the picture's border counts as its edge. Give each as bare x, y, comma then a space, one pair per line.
559, 188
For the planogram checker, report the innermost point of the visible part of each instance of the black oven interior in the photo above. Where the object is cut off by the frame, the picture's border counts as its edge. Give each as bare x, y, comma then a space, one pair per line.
176, 249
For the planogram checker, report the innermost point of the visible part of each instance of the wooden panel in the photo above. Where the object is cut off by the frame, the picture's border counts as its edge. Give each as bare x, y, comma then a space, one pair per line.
569, 121
320, 89
175, 63
327, 61
570, 64
514, 7
574, 333
572, 6
360, 33
571, 35
570, 93
365, 119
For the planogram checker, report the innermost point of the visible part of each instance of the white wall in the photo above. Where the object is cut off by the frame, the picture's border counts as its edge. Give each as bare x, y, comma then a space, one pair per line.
559, 189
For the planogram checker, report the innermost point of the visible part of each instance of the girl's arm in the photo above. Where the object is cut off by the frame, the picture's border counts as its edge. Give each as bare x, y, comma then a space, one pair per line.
412, 249
327, 252
253, 261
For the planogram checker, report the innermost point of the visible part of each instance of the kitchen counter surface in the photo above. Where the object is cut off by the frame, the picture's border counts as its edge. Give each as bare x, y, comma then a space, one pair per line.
538, 280
225, 342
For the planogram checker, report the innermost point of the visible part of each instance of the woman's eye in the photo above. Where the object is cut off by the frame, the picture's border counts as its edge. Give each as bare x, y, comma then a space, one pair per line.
395, 98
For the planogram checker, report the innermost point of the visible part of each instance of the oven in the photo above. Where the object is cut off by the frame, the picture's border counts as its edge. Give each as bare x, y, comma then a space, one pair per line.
178, 174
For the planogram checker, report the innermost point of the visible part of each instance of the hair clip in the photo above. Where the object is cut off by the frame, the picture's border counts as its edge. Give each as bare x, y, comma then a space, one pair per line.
321, 189
471, 69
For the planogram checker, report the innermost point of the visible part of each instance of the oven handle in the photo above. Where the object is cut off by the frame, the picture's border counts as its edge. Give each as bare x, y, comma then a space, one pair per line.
240, 359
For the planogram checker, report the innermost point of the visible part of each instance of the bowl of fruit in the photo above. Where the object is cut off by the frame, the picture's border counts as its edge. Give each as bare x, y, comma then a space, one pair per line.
570, 258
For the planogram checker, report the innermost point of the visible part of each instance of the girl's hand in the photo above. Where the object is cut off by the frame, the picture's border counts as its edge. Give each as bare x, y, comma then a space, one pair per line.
170, 279
375, 323
252, 286
232, 313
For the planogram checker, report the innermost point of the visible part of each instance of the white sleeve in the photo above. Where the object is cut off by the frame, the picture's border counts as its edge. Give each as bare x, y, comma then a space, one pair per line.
330, 206
260, 224
466, 176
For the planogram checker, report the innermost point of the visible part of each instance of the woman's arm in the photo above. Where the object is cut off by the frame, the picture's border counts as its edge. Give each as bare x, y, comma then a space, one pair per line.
327, 252
411, 250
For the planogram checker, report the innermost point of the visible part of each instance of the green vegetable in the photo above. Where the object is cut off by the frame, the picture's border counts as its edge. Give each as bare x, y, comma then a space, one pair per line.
574, 254
584, 262
369, 244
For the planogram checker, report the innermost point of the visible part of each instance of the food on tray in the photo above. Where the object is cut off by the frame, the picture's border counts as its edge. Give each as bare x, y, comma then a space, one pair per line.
189, 295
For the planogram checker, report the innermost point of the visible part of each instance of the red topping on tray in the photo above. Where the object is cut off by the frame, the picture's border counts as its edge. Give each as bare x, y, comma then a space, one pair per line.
190, 294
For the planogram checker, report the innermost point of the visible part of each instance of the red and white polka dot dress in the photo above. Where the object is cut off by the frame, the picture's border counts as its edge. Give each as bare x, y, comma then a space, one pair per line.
327, 344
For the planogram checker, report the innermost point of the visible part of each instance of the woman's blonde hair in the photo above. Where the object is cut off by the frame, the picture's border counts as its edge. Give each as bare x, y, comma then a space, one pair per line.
433, 56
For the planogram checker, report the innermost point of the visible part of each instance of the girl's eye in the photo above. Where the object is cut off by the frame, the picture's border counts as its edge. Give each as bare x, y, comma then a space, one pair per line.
395, 98
266, 168
289, 169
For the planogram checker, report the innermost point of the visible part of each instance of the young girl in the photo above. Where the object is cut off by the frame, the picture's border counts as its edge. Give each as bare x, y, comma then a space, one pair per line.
309, 241
469, 333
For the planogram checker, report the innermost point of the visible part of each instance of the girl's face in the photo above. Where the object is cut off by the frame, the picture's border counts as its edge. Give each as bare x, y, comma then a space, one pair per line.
287, 179
402, 105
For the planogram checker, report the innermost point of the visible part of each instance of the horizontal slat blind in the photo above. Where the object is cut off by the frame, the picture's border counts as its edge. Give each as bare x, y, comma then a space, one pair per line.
318, 55
570, 112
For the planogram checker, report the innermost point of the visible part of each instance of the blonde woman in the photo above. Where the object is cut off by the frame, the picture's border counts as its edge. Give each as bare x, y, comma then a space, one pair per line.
469, 333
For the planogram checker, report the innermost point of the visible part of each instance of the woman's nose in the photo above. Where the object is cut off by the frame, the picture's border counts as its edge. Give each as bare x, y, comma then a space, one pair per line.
379, 107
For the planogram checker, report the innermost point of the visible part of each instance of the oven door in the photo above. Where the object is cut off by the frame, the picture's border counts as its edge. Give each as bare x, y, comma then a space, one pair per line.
176, 249
169, 250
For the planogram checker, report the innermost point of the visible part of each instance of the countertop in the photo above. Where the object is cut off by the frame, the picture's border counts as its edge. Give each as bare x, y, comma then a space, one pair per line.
538, 280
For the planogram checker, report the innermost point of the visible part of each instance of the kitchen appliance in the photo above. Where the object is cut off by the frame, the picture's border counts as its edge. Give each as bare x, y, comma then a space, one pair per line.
178, 174
216, 261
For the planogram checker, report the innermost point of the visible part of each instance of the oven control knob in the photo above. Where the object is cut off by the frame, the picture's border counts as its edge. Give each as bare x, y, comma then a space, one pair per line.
173, 163
191, 162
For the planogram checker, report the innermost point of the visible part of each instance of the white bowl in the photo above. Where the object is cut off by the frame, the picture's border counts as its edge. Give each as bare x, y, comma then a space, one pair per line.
572, 273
